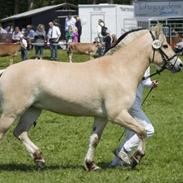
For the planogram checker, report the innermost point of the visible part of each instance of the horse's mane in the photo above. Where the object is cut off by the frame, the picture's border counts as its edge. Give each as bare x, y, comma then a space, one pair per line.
124, 39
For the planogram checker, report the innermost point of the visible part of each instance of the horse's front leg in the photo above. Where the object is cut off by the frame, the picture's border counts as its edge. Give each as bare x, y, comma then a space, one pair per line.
98, 127
126, 120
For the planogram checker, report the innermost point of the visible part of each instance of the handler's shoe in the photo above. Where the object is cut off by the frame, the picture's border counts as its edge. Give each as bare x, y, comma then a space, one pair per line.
116, 162
135, 159
122, 154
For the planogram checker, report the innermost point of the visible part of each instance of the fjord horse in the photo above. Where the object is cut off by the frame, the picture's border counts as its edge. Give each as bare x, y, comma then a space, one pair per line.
103, 88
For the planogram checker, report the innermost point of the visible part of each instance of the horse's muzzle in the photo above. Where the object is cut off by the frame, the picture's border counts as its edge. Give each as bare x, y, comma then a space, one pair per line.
177, 66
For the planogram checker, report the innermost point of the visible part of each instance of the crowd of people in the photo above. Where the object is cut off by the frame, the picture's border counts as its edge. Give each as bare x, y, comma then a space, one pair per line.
38, 38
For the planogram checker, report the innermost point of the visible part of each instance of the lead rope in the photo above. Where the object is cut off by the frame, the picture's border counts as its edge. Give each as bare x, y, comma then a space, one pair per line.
147, 95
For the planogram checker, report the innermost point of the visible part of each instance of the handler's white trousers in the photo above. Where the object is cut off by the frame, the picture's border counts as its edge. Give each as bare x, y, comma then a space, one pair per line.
131, 140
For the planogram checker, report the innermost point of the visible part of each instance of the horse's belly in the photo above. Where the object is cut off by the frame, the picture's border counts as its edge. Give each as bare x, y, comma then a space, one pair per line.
72, 108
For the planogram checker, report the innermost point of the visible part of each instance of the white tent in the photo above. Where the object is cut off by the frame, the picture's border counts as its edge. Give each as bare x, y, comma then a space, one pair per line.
118, 19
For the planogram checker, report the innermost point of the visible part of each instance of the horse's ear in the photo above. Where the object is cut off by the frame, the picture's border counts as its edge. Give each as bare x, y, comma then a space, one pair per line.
158, 29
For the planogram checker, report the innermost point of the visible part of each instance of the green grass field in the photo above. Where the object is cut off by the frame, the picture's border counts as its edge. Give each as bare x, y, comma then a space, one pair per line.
64, 142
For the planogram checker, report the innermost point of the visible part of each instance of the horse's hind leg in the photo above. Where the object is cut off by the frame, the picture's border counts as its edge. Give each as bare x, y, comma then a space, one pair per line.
21, 132
99, 125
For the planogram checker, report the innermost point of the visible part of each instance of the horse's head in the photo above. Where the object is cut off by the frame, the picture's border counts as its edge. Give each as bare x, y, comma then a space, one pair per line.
162, 53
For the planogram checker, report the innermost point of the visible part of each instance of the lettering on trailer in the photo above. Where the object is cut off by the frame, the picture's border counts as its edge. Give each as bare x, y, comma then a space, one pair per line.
157, 9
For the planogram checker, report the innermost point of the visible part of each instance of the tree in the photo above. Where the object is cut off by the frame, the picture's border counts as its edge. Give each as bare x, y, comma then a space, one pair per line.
16, 6
8, 8
94, 2
110, 1
30, 4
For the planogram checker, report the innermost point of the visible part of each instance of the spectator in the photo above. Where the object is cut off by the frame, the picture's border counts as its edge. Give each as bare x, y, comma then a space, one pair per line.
101, 29
104, 35
70, 21
30, 36
69, 35
107, 42
53, 39
16, 34
9, 29
24, 51
79, 27
39, 40
75, 35
2, 31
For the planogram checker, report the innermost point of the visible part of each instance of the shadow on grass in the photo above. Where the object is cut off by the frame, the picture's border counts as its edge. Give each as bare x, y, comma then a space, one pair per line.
32, 168
106, 166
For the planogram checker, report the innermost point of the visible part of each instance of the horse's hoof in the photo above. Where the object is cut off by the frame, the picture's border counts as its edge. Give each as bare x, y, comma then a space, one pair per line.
91, 166
40, 165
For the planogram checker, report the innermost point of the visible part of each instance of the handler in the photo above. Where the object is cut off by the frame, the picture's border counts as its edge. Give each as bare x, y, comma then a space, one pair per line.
131, 141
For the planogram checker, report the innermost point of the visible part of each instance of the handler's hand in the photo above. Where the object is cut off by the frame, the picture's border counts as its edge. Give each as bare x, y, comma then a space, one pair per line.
154, 83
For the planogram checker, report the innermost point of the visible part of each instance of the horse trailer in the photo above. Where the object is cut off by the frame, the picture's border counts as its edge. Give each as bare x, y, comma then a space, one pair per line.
118, 19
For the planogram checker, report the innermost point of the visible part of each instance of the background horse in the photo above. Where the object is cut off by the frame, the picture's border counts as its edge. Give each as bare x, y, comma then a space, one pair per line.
84, 48
103, 88
7, 47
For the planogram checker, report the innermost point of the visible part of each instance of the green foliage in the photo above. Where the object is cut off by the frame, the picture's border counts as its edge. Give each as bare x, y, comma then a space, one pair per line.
64, 141
7, 7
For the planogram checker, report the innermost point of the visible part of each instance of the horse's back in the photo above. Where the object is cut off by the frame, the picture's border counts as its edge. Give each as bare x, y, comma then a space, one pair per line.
44, 78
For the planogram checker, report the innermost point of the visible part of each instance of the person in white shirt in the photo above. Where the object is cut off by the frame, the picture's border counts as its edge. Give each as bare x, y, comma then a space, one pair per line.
131, 141
70, 21
24, 45
3, 31
53, 39
16, 34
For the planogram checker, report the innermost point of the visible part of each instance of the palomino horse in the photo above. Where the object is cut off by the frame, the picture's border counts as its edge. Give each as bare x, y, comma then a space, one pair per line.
84, 48
103, 88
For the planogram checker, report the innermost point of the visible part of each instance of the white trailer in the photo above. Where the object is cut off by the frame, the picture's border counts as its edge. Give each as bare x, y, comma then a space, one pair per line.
118, 19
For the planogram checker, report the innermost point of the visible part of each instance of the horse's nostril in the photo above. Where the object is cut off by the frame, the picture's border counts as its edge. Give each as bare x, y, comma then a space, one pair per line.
181, 65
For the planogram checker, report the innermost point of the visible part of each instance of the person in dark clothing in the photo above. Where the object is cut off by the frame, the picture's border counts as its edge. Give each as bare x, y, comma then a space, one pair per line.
39, 40
107, 42
79, 27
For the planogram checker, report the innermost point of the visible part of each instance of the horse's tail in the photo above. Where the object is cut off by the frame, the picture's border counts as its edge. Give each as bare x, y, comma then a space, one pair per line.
1, 72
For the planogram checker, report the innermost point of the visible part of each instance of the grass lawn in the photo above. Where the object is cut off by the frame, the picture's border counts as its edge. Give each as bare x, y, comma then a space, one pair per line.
64, 142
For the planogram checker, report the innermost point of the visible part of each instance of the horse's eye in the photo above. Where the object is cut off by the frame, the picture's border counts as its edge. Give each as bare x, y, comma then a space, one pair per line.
165, 46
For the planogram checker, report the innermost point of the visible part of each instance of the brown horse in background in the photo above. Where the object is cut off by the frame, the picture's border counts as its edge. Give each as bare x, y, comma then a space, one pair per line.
7, 47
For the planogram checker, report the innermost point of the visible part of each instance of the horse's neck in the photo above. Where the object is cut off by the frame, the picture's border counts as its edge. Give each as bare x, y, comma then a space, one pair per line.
135, 57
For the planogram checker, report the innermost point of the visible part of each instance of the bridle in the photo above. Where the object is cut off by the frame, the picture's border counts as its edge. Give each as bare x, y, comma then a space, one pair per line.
156, 45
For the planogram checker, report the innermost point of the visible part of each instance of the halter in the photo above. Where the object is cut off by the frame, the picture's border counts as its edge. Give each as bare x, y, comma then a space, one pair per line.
157, 47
